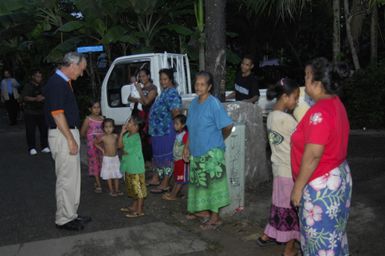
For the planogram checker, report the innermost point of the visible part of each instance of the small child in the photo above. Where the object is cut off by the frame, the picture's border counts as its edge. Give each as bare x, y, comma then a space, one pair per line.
181, 168
111, 164
92, 130
133, 166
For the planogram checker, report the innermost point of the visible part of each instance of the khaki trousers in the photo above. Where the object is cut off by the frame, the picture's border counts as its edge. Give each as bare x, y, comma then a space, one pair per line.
67, 168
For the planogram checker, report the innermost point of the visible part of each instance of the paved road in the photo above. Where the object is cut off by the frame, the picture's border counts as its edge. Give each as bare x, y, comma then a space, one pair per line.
27, 206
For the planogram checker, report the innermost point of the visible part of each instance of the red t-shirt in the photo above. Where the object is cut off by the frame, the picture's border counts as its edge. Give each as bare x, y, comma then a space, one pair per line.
326, 123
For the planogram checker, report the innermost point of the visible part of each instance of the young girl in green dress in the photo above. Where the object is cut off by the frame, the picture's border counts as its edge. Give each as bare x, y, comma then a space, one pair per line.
132, 165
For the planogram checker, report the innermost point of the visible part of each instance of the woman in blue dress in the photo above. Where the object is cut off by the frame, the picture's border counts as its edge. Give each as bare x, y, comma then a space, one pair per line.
162, 132
208, 125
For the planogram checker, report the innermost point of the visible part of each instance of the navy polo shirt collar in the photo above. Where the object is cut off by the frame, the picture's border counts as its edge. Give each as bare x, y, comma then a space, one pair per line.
62, 75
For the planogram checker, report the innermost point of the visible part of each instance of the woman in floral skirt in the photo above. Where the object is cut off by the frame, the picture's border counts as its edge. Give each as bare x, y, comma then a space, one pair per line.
323, 183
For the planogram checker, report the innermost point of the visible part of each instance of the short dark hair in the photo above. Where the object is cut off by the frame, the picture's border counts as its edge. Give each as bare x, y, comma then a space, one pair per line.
137, 120
283, 86
108, 120
181, 118
35, 71
249, 57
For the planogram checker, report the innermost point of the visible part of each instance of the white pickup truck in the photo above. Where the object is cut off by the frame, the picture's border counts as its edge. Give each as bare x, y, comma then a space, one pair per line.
114, 97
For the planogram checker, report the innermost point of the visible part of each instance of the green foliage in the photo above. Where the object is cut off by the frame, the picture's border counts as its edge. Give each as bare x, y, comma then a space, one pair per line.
71, 26
281, 8
363, 96
199, 15
231, 72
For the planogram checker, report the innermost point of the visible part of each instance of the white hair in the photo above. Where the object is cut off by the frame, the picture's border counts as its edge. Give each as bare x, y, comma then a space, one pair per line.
72, 58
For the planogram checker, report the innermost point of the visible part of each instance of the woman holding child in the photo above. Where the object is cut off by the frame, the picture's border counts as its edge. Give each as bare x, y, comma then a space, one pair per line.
147, 95
208, 125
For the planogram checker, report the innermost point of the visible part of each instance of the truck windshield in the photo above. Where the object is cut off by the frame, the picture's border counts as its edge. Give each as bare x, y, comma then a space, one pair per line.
122, 74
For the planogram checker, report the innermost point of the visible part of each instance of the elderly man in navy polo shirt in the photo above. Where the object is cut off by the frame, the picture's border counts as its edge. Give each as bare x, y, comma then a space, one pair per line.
62, 114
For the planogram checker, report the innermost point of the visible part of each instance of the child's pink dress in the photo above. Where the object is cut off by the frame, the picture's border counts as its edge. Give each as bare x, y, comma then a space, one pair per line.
94, 155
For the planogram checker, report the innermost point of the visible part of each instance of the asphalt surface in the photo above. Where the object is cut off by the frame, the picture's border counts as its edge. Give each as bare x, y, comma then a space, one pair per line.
27, 202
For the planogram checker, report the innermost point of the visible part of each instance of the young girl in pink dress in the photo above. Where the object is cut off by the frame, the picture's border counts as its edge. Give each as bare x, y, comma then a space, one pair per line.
92, 129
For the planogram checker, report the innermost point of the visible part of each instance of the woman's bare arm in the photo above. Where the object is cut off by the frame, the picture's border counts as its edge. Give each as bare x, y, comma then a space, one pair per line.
227, 131
145, 100
310, 160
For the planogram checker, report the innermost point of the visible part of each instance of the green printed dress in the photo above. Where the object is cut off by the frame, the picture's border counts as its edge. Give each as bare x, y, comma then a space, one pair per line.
208, 187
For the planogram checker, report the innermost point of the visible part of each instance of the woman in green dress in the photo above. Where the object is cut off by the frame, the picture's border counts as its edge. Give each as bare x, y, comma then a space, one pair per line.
208, 125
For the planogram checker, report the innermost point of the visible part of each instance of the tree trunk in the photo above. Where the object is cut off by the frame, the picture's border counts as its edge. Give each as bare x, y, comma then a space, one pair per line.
202, 51
336, 31
374, 35
358, 13
348, 19
216, 46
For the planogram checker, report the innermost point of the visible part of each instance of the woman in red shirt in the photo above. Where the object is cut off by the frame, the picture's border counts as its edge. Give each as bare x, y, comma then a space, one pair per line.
323, 184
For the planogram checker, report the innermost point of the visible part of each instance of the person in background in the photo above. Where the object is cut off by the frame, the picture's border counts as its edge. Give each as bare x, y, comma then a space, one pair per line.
147, 93
132, 166
162, 131
283, 226
10, 96
246, 84
181, 168
92, 130
62, 116
108, 145
33, 99
323, 183
208, 125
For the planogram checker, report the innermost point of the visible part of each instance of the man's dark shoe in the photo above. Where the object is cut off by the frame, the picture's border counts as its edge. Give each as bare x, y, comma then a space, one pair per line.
83, 219
72, 225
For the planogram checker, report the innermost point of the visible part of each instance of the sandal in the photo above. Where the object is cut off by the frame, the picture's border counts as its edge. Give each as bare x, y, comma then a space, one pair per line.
211, 226
126, 209
169, 197
134, 215
264, 243
113, 194
119, 193
98, 190
152, 184
203, 219
159, 190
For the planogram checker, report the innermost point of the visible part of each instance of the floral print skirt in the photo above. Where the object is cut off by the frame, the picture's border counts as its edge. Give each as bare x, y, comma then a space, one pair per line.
324, 213
208, 188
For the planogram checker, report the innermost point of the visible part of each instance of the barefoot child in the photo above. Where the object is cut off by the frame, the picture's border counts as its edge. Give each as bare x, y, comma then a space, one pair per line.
92, 129
110, 165
133, 166
180, 166
283, 223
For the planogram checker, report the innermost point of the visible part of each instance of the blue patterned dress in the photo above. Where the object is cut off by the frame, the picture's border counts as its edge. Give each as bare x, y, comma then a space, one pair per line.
162, 130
